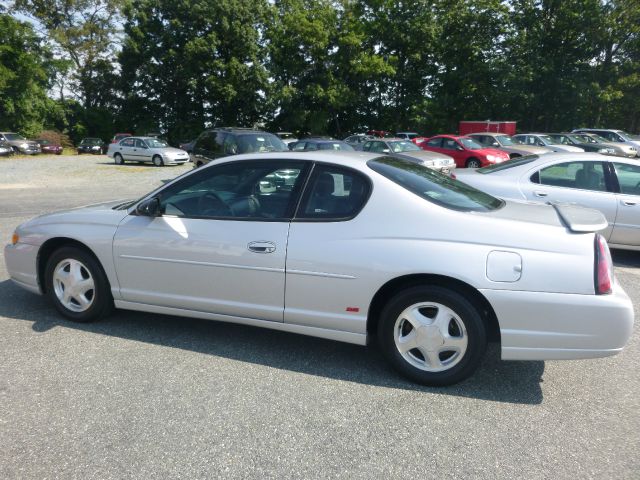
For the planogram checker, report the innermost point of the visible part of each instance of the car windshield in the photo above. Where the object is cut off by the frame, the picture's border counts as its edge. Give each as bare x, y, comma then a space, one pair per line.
156, 143
91, 141
547, 139
260, 142
598, 138
577, 139
286, 135
625, 135
470, 143
13, 137
409, 135
403, 146
335, 146
497, 167
433, 186
42, 141
504, 140
586, 138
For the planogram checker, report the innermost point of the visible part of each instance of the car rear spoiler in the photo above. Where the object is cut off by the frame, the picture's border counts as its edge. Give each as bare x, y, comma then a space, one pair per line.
580, 219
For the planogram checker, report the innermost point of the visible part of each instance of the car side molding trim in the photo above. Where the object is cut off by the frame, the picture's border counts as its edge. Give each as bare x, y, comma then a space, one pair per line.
204, 264
347, 337
321, 274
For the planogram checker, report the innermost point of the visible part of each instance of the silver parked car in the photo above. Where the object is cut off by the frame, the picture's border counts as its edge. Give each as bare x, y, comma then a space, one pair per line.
348, 247
619, 149
146, 149
504, 142
409, 150
619, 137
606, 184
543, 140
19, 144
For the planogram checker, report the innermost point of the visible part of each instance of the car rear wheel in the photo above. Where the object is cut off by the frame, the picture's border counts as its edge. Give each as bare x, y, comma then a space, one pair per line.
118, 159
432, 335
473, 163
157, 161
77, 285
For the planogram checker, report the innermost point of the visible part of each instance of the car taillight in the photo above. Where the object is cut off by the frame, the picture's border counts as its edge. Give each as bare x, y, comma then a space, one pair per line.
603, 267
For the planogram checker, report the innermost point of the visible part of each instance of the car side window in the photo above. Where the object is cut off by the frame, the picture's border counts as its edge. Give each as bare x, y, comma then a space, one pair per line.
378, 147
140, 143
264, 190
298, 146
628, 178
206, 141
449, 144
128, 142
435, 142
230, 145
367, 146
334, 193
311, 146
580, 175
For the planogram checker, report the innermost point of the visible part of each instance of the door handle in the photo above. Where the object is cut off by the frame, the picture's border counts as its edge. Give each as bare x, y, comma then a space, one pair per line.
262, 247
628, 203
540, 194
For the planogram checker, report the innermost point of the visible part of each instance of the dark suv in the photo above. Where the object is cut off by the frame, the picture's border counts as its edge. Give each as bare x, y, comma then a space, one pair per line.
221, 142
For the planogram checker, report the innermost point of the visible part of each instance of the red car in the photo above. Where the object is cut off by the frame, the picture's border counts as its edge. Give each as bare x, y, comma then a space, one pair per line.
465, 151
119, 136
46, 146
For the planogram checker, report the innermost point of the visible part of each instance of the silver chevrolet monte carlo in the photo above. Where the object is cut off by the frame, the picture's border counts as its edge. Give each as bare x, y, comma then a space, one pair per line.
349, 247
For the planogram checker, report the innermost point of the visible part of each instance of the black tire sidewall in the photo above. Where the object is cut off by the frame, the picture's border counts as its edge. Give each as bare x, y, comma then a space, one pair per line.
102, 302
468, 313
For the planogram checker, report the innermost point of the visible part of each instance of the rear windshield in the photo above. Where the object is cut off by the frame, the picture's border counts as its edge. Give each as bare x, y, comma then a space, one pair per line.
433, 186
497, 167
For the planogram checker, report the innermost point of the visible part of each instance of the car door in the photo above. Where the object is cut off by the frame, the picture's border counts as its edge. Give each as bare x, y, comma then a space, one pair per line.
219, 244
580, 182
627, 227
141, 151
324, 262
452, 148
125, 148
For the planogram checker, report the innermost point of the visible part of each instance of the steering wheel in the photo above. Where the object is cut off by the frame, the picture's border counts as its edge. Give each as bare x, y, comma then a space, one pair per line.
211, 204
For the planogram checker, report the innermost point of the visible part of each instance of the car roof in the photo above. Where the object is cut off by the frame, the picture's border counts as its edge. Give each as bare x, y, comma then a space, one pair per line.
489, 134
320, 140
356, 160
559, 157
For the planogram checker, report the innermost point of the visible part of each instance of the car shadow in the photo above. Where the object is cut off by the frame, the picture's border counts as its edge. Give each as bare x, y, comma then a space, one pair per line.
625, 258
495, 380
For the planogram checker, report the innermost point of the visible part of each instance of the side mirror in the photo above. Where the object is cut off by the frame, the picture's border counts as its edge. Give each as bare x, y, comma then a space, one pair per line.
459, 148
149, 207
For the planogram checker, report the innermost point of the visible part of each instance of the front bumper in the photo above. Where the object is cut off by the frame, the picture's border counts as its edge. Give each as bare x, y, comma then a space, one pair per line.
561, 326
21, 261
176, 160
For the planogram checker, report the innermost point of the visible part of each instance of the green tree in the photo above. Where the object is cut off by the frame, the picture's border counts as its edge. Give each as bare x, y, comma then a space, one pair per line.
190, 63
24, 78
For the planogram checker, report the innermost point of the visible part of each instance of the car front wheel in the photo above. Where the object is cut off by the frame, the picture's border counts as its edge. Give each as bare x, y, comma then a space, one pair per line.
77, 285
473, 163
118, 159
432, 335
157, 161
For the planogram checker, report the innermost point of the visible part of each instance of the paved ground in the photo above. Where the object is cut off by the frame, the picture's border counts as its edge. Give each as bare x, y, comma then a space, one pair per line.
148, 396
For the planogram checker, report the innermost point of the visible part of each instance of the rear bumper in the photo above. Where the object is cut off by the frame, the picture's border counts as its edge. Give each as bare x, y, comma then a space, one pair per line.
557, 326
21, 260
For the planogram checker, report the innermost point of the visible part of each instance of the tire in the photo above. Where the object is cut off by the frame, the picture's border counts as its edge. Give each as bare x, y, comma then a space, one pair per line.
76, 269
118, 159
473, 163
439, 359
157, 161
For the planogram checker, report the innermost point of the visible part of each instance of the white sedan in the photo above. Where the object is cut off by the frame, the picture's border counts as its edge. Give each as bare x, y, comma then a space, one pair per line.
146, 149
607, 184
348, 247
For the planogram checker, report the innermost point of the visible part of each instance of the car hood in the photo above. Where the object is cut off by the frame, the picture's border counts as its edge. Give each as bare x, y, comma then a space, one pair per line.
567, 148
106, 212
170, 150
526, 148
489, 151
426, 155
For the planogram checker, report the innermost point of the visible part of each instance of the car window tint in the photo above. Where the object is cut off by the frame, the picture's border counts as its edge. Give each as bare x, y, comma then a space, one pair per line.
378, 147
128, 142
581, 175
298, 146
628, 178
367, 146
140, 144
449, 144
230, 145
207, 142
334, 193
435, 142
311, 146
238, 190
434, 187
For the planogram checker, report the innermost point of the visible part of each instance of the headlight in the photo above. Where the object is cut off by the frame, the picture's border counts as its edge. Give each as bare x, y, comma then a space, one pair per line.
24, 145
494, 158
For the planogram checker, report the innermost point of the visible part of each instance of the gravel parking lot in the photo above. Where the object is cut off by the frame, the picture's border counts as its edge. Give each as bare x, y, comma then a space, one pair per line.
149, 396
